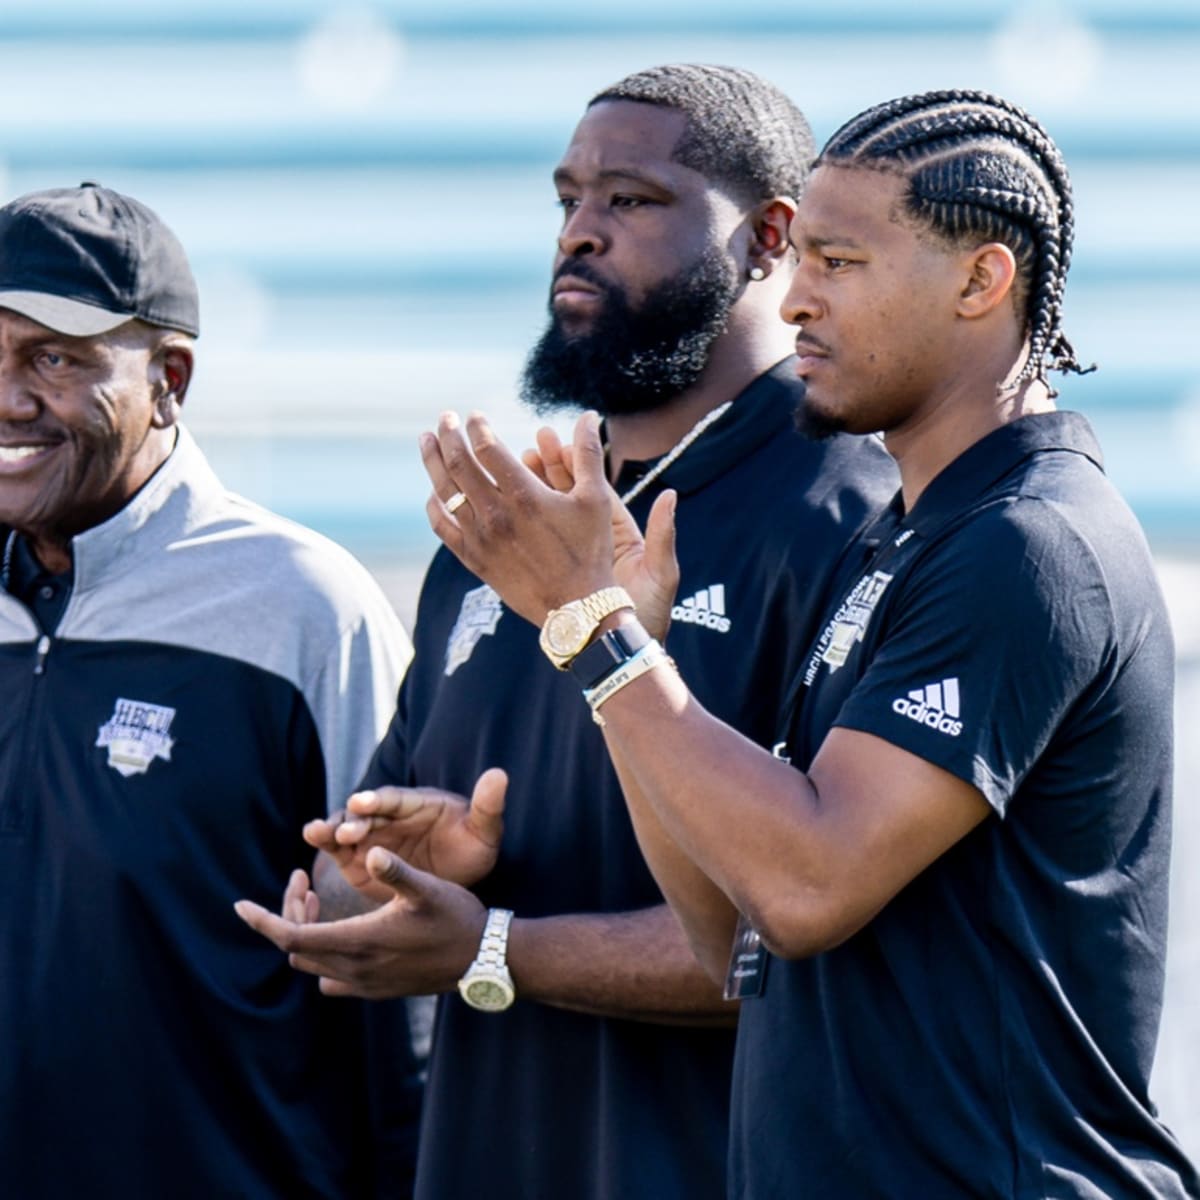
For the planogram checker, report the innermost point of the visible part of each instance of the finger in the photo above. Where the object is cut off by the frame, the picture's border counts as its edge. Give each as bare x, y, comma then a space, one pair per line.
338, 988
661, 561
435, 467
292, 908
327, 937
463, 469
323, 833
328, 966
533, 462
275, 929
550, 448
312, 908
394, 803
448, 506
390, 869
352, 832
587, 456
486, 814
510, 474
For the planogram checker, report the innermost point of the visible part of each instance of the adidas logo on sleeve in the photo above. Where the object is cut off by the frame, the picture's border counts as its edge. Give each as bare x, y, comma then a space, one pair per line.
935, 705
706, 607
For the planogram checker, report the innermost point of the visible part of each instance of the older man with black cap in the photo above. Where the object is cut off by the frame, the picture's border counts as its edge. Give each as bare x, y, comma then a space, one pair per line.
179, 667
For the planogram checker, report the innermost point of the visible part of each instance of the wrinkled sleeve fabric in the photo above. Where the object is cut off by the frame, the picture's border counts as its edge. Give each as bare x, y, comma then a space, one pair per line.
994, 634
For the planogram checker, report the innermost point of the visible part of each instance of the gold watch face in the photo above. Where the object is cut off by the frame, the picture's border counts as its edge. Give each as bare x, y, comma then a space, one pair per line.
487, 994
565, 631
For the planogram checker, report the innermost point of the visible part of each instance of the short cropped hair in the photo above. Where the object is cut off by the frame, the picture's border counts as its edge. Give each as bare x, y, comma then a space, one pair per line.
742, 131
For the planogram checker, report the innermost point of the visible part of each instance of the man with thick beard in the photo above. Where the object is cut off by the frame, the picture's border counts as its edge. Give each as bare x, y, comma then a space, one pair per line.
608, 1075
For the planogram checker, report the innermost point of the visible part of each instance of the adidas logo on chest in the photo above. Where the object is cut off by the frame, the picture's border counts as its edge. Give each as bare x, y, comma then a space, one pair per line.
706, 607
935, 705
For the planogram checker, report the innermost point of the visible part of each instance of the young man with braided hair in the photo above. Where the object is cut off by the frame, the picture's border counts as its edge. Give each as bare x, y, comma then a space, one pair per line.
955, 882
608, 1076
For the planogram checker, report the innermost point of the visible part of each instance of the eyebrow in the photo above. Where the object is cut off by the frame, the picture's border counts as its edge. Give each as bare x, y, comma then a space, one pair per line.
819, 243
566, 175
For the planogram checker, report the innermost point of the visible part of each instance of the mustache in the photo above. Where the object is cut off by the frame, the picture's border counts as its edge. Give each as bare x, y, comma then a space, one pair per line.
17, 433
579, 268
806, 340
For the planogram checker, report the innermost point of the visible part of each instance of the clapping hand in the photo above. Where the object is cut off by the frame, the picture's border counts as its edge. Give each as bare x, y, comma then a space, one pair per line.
438, 832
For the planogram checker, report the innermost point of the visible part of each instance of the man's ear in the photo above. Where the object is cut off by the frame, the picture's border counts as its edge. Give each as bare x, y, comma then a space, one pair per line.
770, 222
991, 271
174, 363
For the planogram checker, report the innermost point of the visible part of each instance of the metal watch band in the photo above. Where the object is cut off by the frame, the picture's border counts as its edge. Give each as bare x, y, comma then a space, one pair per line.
608, 652
607, 600
493, 946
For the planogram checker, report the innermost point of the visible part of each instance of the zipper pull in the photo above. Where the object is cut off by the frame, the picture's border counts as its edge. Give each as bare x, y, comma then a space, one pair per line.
43, 648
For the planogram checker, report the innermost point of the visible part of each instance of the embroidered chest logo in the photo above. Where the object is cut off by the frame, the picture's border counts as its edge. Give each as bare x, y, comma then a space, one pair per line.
136, 734
706, 607
849, 625
480, 613
935, 705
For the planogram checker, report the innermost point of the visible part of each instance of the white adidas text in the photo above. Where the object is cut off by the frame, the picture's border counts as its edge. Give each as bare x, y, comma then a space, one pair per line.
935, 705
706, 608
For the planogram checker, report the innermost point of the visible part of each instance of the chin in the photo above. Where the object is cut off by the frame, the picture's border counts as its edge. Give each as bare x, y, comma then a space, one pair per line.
817, 421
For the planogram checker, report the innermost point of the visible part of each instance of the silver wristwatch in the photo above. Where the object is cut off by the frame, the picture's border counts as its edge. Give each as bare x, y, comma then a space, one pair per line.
487, 985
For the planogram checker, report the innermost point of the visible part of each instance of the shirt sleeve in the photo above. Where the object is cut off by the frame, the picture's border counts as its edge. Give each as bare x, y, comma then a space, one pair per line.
355, 694
993, 636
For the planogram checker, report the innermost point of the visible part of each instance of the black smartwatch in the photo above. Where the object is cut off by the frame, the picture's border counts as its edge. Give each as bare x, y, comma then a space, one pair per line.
609, 651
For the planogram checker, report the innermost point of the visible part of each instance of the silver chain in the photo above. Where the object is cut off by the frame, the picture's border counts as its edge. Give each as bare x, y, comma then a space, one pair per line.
675, 451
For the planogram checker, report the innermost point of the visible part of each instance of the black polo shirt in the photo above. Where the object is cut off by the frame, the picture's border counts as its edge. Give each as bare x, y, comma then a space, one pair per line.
990, 1033
42, 591
538, 1101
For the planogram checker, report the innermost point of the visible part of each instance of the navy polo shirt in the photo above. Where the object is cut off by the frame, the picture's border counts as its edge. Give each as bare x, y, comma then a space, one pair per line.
540, 1101
990, 1033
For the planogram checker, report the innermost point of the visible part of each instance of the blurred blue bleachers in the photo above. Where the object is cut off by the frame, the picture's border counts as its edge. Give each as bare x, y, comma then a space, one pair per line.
365, 195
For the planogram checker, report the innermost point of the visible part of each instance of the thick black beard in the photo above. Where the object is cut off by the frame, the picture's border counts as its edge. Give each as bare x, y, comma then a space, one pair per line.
633, 360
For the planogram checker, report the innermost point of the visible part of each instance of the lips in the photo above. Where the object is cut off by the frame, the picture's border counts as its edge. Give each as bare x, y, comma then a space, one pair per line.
571, 286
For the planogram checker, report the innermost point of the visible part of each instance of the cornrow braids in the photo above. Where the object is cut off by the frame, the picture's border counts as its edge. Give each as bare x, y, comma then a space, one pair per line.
979, 167
741, 130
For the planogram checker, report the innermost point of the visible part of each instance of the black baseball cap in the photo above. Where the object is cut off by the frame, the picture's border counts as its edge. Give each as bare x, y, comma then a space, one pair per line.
84, 260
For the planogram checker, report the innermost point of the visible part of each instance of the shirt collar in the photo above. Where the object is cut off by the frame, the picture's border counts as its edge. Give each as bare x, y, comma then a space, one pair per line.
161, 509
982, 465
756, 415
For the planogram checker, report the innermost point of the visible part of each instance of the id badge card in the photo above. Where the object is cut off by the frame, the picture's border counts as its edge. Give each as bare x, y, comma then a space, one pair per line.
747, 974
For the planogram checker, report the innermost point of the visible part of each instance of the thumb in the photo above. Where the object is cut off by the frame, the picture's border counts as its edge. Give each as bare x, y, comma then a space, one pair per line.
660, 542
486, 814
392, 871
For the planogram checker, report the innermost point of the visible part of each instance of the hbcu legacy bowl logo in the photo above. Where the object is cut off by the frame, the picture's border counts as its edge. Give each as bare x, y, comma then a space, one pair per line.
136, 734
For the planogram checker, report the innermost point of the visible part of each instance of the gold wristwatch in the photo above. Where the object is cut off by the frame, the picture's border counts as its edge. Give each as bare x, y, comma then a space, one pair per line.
568, 629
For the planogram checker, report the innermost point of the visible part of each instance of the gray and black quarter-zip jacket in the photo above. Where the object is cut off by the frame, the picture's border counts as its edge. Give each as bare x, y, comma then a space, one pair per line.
217, 677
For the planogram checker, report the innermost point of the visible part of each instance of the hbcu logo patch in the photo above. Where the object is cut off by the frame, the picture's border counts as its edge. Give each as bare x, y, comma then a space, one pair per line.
480, 614
136, 734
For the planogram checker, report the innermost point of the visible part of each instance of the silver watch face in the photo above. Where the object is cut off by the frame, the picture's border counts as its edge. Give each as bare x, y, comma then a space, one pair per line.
487, 994
565, 631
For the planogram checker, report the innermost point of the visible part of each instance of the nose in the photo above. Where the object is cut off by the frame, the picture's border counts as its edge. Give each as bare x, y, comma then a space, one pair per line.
800, 304
581, 232
16, 401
